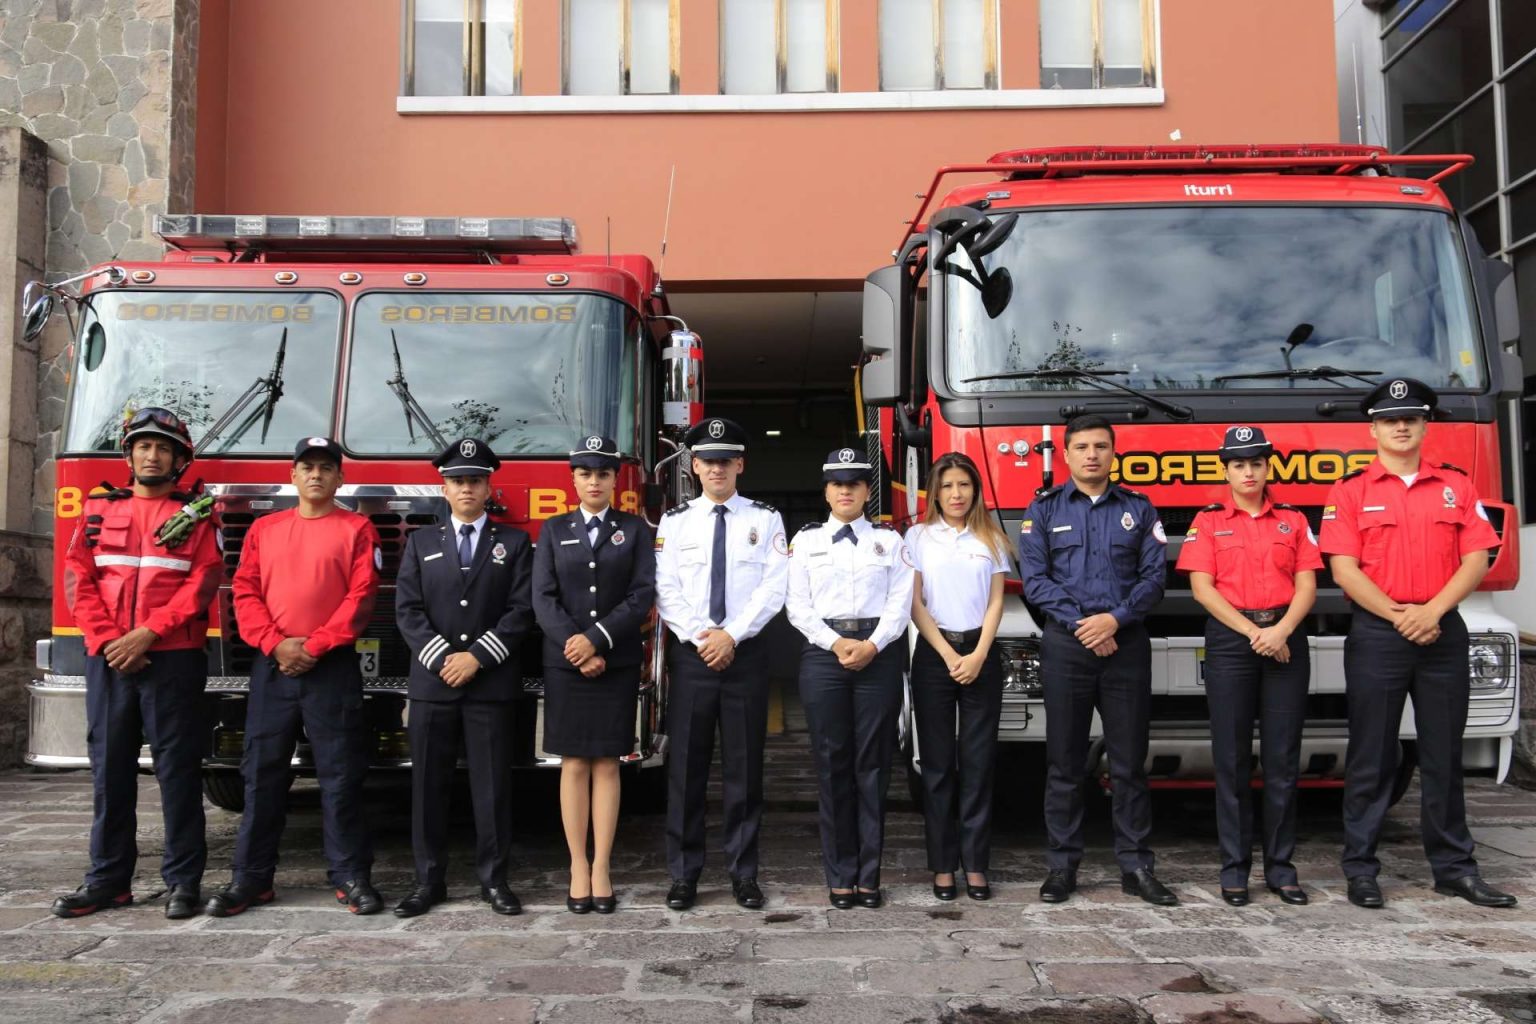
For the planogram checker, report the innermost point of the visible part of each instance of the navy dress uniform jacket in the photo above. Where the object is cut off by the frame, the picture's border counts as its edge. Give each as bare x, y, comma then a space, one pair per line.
441, 609
604, 591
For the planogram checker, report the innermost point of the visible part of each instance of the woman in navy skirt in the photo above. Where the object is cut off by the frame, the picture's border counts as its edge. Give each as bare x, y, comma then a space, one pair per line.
594, 581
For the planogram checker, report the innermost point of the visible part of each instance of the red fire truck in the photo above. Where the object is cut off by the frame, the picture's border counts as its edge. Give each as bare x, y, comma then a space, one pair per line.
1177, 290
394, 335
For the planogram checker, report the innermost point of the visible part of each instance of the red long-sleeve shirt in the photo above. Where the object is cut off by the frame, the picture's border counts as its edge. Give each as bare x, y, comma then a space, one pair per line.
314, 578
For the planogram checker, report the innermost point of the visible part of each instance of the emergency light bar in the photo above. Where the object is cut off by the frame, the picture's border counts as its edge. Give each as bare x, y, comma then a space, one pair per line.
235, 233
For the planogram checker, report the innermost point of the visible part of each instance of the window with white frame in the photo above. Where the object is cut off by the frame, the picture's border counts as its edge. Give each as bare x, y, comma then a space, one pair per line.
618, 47
938, 44
778, 46
1096, 44
463, 48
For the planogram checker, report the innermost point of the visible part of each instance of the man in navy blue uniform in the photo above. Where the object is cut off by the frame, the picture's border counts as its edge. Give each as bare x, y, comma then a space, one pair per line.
463, 603
1092, 557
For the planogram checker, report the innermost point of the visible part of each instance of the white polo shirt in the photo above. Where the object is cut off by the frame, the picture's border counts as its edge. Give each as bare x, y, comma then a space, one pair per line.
957, 569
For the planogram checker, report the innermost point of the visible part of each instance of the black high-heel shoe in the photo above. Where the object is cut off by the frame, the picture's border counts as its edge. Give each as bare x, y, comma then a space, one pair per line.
605, 904
981, 893
945, 892
840, 900
583, 905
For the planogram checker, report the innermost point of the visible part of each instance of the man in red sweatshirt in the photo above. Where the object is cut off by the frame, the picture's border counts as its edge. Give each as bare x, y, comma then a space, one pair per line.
142, 605
303, 593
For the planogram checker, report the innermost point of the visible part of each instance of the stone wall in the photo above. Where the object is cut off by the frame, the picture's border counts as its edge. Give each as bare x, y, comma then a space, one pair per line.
26, 562
109, 85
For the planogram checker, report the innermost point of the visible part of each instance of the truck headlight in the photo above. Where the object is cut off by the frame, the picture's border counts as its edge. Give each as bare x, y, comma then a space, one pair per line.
1021, 666
1491, 659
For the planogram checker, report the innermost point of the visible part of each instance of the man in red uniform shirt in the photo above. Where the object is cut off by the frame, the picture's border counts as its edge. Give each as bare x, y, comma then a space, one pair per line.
303, 593
142, 606
1407, 541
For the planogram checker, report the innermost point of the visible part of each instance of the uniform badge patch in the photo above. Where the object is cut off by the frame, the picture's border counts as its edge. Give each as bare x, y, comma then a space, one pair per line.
617, 538
1128, 521
1285, 527
1028, 526
781, 544
660, 542
752, 536
1330, 512
499, 552
1157, 531
1449, 496
378, 558
879, 550
1482, 513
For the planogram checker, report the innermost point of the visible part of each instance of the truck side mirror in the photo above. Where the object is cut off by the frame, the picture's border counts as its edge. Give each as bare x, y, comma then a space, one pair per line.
881, 376
35, 315
1506, 307
95, 346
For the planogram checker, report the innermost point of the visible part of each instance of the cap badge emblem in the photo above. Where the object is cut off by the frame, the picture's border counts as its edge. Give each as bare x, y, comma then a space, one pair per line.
467, 449
846, 456
1398, 389
1128, 521
1243, 433
716, 429
318, 442
594, 444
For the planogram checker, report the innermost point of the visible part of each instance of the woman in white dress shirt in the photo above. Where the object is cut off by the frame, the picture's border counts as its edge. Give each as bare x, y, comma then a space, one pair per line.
850, 594
957, 681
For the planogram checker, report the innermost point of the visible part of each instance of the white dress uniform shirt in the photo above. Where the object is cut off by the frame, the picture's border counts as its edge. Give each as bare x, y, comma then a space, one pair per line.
478, 527
755, 576
832, 579
587, 517
957, 568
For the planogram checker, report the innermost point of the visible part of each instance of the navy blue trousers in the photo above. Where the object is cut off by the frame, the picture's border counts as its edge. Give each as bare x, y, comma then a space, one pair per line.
327, 702
851, 717
438, 731
1239, 686
1381, 671
1077, 682
164, 704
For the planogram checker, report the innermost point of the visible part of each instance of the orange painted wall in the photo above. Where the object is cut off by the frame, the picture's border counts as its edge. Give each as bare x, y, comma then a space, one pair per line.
307, 124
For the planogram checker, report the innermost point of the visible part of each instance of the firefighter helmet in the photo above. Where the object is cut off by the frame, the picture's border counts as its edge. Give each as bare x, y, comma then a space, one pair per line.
160, 422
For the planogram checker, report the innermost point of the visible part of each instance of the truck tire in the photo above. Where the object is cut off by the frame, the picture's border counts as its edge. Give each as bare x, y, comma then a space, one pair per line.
225, 790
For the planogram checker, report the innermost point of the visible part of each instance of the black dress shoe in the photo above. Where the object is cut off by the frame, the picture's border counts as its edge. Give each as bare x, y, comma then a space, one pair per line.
1057, 887
840, 900
1364, 892
682, 894
1235, 897
421, 900
945, 892
579, 904
1142, 882
1474, 890
869, 898
980, 893
181, 902
87, 900
236, 898
748, 895
605, 904
502, 899
359, 897
1292, 894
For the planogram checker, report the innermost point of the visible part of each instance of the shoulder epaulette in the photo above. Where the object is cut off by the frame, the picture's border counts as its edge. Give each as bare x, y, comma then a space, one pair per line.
882, 526
1135, 494
1352, 474
112, 493
809, 526
1214, 506
1458, 469
677, 508
1284, 505
1050, 492
764, 504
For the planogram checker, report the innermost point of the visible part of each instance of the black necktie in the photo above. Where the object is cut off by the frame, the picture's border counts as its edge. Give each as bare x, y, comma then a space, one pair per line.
466, 545
846, 533
717, 568
593, 525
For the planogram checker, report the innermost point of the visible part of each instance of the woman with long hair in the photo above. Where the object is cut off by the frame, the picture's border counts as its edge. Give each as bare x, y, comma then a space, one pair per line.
959, 553
1252, 565
850, 594
594, 580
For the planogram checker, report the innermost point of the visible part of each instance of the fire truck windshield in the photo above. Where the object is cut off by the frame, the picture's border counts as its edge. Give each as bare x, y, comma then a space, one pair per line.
528, 373
1200, 298
195, 353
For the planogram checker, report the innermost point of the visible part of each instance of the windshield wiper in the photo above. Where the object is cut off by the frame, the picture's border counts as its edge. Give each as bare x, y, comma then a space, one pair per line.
1100, 377
1331, 374
271, 384
414, 413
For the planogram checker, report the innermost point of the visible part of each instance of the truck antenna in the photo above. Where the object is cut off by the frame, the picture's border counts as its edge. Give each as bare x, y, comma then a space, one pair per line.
1354, 51
666, 225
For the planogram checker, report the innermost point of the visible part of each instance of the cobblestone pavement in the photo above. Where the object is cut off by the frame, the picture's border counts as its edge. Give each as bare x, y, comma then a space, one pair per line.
1100, 958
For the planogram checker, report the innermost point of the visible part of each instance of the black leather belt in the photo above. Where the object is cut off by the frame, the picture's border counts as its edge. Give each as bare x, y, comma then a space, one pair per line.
852, 625
1263, 616
955, 636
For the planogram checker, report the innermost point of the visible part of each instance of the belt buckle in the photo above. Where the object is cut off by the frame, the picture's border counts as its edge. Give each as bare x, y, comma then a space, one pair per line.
953, 636
1264, 617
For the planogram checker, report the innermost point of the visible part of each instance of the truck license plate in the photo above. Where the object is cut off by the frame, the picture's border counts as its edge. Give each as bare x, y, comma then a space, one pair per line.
368, 657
